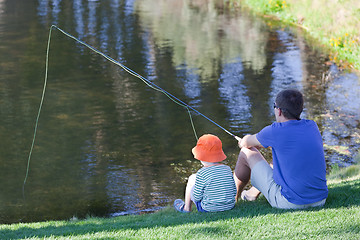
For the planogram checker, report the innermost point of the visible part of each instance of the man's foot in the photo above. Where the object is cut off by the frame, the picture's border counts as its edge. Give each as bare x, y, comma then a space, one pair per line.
247, 197
179, 206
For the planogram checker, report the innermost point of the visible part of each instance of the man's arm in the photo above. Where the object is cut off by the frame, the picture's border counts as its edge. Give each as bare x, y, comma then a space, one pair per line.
249, 141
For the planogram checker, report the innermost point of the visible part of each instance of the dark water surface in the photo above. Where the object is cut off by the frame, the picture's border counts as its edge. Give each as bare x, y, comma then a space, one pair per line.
109, 145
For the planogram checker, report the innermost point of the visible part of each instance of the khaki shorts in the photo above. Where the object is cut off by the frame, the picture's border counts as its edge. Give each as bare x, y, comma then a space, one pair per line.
262, 179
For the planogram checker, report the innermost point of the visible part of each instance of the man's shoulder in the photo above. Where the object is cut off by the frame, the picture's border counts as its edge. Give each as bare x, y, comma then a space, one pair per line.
302, 122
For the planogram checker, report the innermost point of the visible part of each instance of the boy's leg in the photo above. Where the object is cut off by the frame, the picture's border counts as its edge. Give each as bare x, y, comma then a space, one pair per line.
247, 159
189, 187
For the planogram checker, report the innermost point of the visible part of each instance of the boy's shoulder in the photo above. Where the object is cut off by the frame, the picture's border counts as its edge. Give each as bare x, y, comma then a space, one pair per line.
213, 169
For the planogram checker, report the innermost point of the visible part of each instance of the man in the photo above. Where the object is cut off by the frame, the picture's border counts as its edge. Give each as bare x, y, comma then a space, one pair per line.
298, 177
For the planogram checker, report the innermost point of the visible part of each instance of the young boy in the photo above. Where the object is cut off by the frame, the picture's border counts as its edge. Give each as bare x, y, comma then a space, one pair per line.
212, 188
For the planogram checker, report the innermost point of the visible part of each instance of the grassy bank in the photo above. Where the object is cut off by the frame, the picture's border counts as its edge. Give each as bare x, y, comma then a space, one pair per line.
339, 219
333, 24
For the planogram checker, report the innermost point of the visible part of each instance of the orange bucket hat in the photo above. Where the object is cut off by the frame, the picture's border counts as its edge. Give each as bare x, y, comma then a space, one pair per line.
209, 149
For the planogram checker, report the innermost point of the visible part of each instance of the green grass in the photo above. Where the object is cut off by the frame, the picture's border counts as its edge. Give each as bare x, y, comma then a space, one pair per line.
339, 219
338, 174
333, 24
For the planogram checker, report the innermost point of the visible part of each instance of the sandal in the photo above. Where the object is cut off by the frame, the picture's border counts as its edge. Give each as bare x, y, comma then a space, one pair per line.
179, 206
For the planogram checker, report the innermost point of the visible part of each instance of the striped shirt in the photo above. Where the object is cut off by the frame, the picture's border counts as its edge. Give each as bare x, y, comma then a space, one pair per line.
215, 188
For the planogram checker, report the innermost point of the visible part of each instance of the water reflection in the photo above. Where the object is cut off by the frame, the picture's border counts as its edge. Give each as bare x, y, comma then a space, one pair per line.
204, 40
341, 119
287, 66
1, 7
112, 146
233, 91
46, 8
78, 18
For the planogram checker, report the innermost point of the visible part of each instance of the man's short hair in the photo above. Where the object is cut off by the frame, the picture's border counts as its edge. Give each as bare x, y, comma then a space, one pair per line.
291, 103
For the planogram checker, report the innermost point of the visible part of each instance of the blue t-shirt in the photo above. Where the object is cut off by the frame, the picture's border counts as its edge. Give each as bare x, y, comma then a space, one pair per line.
298, 159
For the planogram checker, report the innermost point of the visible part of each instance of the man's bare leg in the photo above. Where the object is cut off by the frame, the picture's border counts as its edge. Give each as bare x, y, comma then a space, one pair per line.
247, 159
241, 174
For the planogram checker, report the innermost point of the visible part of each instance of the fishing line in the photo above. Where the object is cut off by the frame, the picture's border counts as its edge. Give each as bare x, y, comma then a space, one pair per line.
146, 81
38, 114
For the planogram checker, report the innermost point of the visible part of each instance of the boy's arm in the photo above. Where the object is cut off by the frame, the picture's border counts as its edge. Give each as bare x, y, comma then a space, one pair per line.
198, 188
249, 141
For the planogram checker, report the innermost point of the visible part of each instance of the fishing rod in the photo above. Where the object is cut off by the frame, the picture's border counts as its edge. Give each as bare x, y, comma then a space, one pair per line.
146, 81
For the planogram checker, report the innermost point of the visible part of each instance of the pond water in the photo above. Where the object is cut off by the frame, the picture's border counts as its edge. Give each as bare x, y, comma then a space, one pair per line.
109, 145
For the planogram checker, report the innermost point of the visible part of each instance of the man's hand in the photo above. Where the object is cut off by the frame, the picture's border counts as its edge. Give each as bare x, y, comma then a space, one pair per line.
248, 141
238, 138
